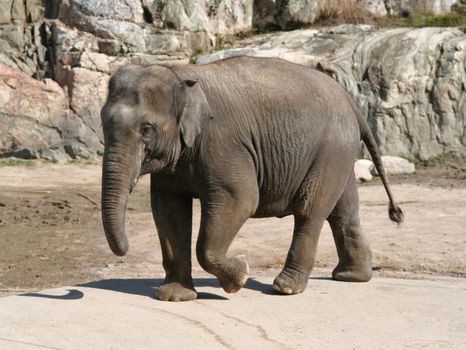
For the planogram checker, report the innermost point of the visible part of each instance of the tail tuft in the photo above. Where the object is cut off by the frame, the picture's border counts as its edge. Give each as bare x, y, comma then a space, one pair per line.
396, 214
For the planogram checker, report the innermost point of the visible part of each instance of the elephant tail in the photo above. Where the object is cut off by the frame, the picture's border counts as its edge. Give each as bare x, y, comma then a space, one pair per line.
394, 211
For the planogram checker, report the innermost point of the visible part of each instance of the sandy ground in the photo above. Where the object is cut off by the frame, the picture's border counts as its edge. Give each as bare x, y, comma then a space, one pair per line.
51, 231
51, 236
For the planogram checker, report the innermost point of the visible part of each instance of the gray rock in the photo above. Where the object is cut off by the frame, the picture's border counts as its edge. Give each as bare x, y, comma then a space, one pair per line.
297, 11
98, 62
75, 150
21, 47
364, 168
33, 153
87, 90
18, 11
145, 59
378, 7
23, 153
164, 43
211, 16
5, 11
128, 33
68, 39
14, 35
34, 10
397, 166
69, 46
120, 10
285, 13
175, 43
54, 155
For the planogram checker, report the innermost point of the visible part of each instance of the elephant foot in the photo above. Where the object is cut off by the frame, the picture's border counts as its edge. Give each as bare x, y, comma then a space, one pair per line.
236, 275
290, 282
174, 291
352, 273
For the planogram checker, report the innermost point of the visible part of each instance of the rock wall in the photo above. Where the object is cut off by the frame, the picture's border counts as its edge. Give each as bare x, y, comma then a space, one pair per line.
36, 120
56, 57
21, 33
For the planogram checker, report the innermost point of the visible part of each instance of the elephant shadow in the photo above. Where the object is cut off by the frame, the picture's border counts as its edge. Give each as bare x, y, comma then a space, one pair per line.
146, 288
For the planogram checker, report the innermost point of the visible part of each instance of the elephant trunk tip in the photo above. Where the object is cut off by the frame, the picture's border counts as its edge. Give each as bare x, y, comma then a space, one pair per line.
119, 249
396, 214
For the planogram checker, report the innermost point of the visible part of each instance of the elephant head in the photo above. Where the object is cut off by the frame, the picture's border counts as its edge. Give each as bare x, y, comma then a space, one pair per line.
149, 118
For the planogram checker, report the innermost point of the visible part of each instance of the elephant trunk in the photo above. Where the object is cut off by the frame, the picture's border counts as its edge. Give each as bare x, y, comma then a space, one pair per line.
118, 175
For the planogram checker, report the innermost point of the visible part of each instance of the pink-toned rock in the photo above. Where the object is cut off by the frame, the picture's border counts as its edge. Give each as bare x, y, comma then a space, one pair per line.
30, 111
20, 94
87, 90
35, 117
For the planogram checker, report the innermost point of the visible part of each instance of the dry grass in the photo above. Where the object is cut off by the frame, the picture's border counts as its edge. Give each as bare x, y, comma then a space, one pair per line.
343, 11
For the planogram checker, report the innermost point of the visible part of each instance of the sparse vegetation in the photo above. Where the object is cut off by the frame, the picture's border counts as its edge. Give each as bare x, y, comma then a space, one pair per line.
343, 11
83, 161
446, 157
196, 53
89, 161
16, 162
335, 12
224, 41
412, 160
199, 51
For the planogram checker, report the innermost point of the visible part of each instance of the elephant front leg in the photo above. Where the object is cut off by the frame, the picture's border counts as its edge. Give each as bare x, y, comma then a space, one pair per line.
220, 222
173, 218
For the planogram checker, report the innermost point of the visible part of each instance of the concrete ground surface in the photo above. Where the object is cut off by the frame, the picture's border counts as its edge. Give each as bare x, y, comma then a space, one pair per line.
122, 314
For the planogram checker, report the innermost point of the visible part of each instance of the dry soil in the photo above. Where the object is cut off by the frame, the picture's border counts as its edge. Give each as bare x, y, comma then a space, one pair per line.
51, 233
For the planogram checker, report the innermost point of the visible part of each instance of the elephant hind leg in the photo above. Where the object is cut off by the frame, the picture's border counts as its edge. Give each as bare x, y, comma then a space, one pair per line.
353, 250
315, 201
301, 256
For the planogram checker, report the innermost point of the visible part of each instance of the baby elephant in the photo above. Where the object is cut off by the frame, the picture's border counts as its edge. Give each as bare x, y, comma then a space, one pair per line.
249, 137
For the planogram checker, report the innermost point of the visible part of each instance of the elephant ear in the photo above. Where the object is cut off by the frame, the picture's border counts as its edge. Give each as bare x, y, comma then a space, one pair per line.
195, 110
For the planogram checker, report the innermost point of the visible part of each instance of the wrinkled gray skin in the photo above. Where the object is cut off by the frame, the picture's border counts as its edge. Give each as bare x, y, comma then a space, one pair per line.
249, 137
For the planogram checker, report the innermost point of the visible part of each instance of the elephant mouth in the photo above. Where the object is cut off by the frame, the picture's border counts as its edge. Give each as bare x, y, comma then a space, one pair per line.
160, 161
151, 166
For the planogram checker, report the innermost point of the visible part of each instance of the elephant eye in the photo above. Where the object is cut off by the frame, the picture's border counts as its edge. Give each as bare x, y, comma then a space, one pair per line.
147, 131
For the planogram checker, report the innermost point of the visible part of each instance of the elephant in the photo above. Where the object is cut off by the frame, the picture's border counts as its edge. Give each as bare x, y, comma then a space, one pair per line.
250, 138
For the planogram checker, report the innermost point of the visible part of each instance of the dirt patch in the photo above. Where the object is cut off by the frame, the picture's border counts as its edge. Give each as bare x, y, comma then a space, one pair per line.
51, 231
